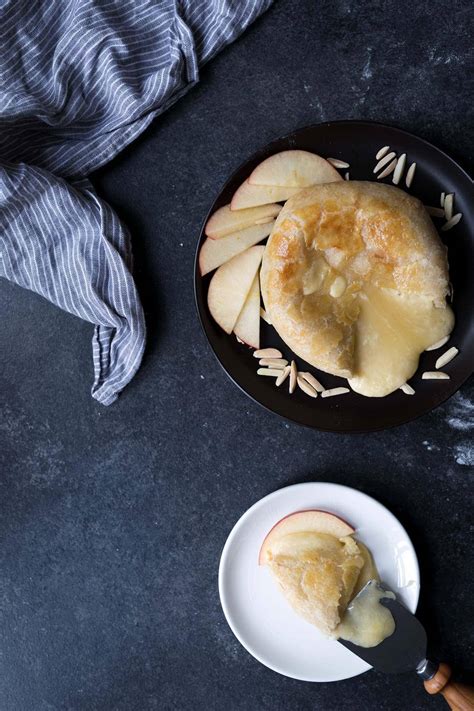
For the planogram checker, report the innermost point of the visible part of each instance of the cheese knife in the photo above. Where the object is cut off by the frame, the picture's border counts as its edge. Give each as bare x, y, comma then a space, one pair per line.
405, 650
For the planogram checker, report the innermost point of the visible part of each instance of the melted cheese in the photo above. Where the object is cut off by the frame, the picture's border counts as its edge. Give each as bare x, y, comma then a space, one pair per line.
366, 621
392, 330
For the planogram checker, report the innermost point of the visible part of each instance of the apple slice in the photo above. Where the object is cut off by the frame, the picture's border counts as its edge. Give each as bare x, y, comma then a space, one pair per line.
230, 285
215, 252
312, 520
254, 195
224, 222
294, 169
247, 327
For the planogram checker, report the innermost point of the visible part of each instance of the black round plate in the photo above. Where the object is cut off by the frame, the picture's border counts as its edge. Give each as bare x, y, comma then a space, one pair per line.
357, 142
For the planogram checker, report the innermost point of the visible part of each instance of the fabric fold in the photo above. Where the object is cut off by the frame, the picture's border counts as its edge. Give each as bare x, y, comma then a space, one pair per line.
80, 79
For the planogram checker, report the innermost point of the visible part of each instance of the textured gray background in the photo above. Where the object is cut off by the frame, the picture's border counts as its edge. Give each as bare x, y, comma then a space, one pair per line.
112, 520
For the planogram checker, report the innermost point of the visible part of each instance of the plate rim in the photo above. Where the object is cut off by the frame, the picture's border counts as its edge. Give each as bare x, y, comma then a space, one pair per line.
197, 276
223, 561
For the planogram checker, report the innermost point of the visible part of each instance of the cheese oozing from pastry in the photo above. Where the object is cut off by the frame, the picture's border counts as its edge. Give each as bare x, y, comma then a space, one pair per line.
331, 583
354, 279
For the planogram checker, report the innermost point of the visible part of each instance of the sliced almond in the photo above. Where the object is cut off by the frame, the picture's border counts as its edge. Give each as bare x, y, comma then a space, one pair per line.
407, 389
283, 376
274, 362
264, 315
346, 176
386, 159
441, 199
399, 169
267, 353
410, 175
438, 344
434, 211
434, 375
338, 287
389, 169
293, 376
306, 387
382, 152
312, 381
448, 205
336, 163
264, 221
271, 372
446, 357
335, 391
452, 222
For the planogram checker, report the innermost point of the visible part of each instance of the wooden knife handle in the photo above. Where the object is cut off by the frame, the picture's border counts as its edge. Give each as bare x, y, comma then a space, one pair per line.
459, 696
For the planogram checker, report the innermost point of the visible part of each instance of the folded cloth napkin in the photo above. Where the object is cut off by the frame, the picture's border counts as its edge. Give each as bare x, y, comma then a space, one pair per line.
79, 80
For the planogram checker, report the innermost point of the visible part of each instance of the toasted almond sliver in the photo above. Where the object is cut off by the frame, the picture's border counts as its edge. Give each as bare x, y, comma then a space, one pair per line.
283, 375
267, 353
335, 391
438, 344
434, 375
338, 163
382, 152
452, 222
346, 176
271, 372
389, 169
399, 168
264, 315
386, 159
264, 221
338, 287
448, 205
312, 381
434, 211
446, 357
293, 376
274, 362
410, 175
407, 389
442, 198
306, 387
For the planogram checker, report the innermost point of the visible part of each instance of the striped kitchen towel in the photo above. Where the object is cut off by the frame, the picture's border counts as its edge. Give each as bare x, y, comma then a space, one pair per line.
79, 80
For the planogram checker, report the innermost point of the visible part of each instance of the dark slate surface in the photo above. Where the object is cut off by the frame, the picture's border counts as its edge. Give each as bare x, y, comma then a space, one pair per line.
112, 520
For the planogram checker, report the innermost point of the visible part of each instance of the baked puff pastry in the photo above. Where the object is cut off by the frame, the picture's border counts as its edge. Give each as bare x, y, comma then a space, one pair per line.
318, 574
354, 279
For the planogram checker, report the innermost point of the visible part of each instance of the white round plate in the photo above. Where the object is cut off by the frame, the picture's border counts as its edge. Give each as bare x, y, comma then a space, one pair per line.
257, 612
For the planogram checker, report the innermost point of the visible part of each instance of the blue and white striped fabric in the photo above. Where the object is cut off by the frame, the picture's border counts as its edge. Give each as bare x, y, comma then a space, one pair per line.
79, 80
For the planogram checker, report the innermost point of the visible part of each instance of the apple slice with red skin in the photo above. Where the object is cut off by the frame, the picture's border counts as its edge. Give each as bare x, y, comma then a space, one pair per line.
294, 169
313, 520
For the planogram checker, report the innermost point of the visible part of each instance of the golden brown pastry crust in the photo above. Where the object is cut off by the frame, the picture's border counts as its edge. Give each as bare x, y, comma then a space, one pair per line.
371, 234
317, 573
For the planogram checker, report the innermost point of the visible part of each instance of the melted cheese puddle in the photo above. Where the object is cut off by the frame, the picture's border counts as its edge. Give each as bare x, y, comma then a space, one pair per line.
366, 621
392, 331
